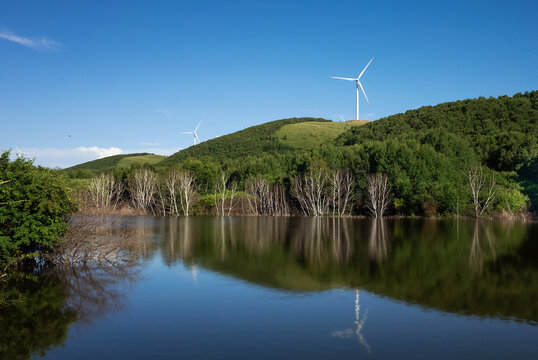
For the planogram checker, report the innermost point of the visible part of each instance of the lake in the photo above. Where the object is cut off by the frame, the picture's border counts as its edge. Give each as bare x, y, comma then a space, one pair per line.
289, 288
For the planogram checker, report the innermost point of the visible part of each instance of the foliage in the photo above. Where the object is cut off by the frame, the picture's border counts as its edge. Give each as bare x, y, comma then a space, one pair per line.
34, 205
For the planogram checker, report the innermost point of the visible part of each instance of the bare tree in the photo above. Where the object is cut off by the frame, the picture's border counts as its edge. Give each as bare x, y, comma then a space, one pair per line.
311, 191
105, 191
341, 183
379, 195
266, 199
187, 191
482, 196
171, 181
142, 189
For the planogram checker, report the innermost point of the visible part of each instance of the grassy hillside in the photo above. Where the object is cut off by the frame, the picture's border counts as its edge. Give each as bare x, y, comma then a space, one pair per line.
252, 141
112, 162
312, 134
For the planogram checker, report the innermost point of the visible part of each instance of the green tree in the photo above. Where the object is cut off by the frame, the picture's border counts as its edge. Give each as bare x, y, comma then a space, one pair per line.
35, 204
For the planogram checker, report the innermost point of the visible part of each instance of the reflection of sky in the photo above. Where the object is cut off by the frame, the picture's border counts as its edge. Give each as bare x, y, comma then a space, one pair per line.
168, 315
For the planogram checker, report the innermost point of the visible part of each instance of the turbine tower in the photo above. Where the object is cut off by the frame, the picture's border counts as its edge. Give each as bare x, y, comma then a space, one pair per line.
195, 136
358, 84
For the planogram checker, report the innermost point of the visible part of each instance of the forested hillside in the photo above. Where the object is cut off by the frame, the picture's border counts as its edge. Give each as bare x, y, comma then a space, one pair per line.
111, 163
253, 141
429, 156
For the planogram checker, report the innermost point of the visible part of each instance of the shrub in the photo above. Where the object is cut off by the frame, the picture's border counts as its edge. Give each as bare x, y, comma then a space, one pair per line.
34, 205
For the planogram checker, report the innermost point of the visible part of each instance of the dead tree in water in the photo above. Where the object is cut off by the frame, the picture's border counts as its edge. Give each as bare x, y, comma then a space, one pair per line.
477, 181
105, 191
143, 189
187, 191
225, 191
311, 192
341, 182
266, 199
379, 194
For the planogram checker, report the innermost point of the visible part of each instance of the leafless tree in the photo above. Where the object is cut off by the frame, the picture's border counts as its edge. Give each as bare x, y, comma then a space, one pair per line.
187, 191
225, 192
142, 189
311, 190
266, 199
379, 195
104, 191
341, 183
96, 241
482, 196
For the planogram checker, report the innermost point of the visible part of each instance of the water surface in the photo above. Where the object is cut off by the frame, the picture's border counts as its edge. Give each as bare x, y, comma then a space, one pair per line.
287, 288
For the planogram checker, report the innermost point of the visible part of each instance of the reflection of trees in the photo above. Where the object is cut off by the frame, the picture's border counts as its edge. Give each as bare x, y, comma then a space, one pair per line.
377, 244
422, 261
477, 253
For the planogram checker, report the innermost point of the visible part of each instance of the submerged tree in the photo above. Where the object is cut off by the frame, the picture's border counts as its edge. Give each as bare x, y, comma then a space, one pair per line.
482, 195
311, 190
142, 189
379, 195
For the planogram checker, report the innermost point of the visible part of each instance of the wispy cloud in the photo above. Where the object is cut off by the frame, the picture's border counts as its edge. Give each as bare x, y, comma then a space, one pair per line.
149, 143
58, 157
101, 152
162, 111
38, 43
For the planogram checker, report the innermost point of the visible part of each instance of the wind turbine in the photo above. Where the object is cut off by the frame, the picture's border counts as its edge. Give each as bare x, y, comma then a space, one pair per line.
195, 136
20, 154
358, 84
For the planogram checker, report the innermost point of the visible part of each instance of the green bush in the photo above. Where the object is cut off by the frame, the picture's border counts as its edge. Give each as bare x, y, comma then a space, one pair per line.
34, 205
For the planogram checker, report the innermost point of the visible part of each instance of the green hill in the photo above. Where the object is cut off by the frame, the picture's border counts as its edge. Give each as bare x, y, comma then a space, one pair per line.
111, 163
253, 141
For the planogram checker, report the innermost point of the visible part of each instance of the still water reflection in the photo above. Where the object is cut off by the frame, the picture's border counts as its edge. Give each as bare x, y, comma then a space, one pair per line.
267, 287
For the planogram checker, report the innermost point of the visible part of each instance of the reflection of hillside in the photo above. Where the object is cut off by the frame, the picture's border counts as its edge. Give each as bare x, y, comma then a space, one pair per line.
452, 266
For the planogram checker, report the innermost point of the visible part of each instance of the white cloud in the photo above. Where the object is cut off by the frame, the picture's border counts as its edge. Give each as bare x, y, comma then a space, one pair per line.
55, 157
149, 143
162, 111
101, 152
34, 43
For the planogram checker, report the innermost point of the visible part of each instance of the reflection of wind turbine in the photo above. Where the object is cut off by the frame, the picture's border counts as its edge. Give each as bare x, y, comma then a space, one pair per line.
195, 136
359, 324
358, 84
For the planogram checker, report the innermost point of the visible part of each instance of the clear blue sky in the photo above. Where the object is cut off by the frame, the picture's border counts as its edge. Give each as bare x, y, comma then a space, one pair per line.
131, 74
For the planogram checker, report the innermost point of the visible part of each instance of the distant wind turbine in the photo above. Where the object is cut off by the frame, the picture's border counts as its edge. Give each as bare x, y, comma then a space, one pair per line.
20, 154
195, 136
358, 84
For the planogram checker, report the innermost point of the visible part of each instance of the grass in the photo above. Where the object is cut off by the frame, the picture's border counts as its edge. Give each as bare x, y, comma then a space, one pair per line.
142, 159
311, 134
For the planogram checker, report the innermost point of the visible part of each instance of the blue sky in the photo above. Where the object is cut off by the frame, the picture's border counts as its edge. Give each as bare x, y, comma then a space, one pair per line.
124, 76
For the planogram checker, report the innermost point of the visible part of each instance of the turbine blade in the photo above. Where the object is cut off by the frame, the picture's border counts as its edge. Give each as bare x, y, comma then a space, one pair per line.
196, 128
363, 70
196, 136
363, 92
186, 132
342, 78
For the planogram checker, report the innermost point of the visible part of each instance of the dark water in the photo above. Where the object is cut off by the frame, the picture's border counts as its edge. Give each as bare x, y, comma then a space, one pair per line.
288, 288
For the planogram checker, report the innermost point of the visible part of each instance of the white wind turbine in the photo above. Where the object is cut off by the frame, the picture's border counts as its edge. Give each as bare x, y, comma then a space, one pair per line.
195, 136
357, 83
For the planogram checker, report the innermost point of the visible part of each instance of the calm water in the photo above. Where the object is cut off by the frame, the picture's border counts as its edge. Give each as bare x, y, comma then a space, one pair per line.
288, 288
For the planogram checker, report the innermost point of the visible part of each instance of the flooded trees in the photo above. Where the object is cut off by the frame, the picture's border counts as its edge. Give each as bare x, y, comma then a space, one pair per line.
105, 191
482, 195
266, 199
378, 194
142, 189
311, 191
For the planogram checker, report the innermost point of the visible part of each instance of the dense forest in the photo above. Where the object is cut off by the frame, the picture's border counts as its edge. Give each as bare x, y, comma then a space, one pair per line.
451, 158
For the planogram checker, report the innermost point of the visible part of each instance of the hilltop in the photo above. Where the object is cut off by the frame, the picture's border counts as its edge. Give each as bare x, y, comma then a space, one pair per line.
110, 163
